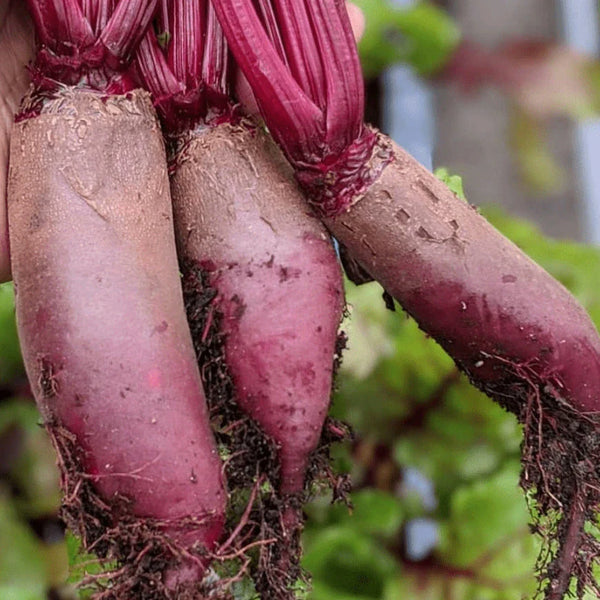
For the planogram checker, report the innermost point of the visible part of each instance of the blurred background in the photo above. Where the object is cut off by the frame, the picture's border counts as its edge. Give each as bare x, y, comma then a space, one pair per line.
505, 95
516, 116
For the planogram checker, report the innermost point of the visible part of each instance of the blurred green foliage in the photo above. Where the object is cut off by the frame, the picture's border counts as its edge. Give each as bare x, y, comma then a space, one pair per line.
32, 561
11, 364
421, 35
454, 182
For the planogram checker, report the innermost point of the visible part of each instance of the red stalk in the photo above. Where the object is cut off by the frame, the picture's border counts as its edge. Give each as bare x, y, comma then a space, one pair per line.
185, 53
341, 70
97, 13
189, 81
126, 28
60, 23
301, 50
269, 21
89, 42
312, 100
311, 47
293, 118
155, 71
216, 57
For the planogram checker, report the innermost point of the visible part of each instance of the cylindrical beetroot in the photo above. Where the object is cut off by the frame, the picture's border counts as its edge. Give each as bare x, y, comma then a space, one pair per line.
241, 218
102, 324
487, 303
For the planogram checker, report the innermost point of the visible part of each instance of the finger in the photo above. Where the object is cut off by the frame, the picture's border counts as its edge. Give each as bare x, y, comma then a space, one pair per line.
16, 50
357, 20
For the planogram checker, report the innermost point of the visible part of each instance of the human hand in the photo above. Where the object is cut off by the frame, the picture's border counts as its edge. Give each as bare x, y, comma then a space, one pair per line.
16, 50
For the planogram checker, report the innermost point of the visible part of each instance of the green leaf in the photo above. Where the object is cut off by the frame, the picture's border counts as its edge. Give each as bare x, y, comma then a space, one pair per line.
368, 329
406, 360
323, 591
422, 35
376, 513
80, 562
22, 566
21, 592
163, 39
11, 363
454, 182
34, 470
488, 519
347, 564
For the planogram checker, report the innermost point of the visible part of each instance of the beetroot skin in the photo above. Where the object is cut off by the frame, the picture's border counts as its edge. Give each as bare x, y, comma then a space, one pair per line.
279, 284
103, 332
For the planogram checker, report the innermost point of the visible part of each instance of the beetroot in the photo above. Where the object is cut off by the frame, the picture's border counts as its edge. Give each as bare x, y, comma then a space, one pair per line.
519, 335
99, 306
242, 225
278, 282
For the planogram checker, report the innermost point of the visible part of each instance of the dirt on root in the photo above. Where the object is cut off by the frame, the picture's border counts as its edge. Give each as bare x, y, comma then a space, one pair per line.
133, 553
561, 476
267, 526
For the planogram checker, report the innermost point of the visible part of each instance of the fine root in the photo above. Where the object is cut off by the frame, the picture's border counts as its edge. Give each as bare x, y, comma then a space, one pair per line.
270, 532
561, 475
134, 553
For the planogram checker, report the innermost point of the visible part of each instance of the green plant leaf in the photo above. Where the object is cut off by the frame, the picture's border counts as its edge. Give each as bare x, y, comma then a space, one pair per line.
454, 182
11, 363
22, 565
21, 592
488, 519
347, 564
422, 35
376, 513
80, 562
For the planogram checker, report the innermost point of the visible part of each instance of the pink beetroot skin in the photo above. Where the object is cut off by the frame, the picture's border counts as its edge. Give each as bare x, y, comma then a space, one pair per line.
241, 220
102, 324
278, 282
